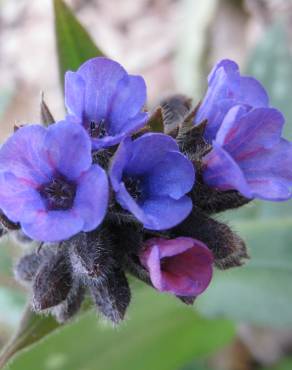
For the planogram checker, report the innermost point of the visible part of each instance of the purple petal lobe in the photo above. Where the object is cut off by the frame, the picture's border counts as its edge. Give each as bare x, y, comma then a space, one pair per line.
244, 136
227, 89
269, 172
252, 93
18, 200
222, 172
92, 197
165, 212
119, 162
101, 76
23, 155
167, 179
181, 266
127, 102
53, 226
74, 95
148, 150
69, 148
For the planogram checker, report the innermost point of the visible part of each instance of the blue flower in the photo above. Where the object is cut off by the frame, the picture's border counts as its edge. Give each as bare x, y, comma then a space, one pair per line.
250, 156
227, 88
150, 178
48, 183
106, 100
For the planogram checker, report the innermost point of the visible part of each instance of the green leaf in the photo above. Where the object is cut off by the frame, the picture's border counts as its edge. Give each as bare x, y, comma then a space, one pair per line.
261, 291
32, 328
161, 334
74, 44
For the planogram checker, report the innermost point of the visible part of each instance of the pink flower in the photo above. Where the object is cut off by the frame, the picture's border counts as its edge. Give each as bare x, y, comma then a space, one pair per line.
181, 266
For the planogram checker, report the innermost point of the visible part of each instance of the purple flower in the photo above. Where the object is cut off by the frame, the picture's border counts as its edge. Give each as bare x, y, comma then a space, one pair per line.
151, 177
106, 100
250, 156
181, 266
48, 184
226, 88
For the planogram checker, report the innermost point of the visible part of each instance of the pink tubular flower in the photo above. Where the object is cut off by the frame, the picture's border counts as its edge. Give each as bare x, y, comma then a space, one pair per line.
181, 266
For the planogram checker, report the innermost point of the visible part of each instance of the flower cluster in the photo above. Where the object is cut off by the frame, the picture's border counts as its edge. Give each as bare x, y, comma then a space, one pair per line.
248, 153
105, 196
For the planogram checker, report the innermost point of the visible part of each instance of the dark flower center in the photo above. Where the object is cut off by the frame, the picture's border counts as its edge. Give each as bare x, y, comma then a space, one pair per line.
97, 130
134, 187
59, 193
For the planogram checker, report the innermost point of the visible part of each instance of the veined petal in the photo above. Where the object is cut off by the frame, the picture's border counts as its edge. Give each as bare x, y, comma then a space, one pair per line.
245, 135
269, 172
226, 88
222, 172
101, 77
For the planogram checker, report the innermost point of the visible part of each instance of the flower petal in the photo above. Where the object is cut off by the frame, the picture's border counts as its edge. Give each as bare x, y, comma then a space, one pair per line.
127, 202
189, 273
74, 95
269, 172
53, 226
226, 89
127, 103
174, 176
91, 198
101, 77
182, 266
252, 92
119, 162
23, 155
18, 200
164, 212
133, 125
244, 136
222, 172
69, 148
147, 151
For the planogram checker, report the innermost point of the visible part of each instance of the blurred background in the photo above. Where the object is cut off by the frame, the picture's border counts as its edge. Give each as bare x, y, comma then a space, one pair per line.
244, 321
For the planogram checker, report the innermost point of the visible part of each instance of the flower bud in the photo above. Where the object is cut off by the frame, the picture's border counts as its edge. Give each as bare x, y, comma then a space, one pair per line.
181, 266
52, 282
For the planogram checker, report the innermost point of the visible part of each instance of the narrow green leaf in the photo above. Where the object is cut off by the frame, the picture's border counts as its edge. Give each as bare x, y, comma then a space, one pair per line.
74, 44
161, 334
32, 328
